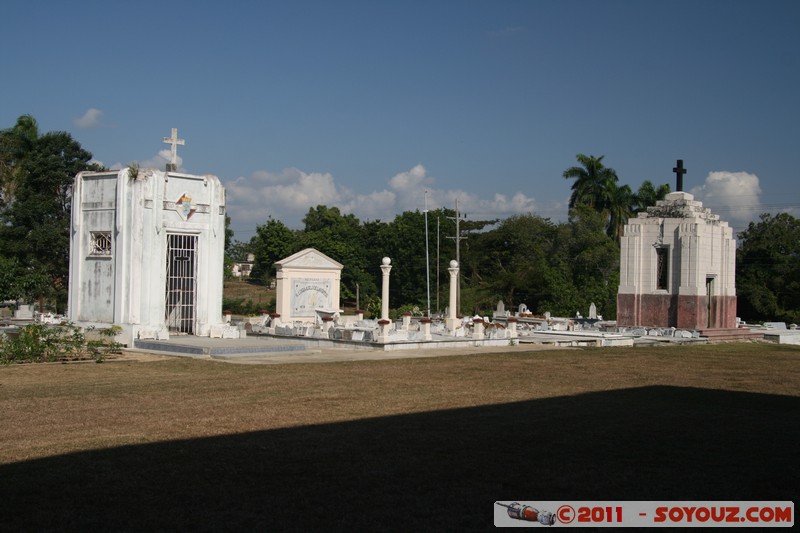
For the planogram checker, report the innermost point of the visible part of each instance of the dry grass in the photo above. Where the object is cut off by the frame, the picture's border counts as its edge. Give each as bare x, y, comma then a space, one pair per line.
241, 290
194, 444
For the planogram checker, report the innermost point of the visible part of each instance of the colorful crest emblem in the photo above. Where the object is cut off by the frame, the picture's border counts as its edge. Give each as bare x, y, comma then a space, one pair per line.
184, 207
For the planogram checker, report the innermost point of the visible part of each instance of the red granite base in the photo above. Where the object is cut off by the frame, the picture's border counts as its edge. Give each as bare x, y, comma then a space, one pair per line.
682, 312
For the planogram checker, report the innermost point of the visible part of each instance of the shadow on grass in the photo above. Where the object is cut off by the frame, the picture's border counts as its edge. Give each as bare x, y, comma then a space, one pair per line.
440, 470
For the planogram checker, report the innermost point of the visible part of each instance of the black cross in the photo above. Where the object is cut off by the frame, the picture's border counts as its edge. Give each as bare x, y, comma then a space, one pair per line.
679, 172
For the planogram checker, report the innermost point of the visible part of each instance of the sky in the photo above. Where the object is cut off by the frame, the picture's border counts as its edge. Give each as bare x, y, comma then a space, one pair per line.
366, 105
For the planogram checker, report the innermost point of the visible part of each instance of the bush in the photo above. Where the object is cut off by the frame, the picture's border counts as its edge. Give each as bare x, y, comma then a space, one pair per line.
40, 343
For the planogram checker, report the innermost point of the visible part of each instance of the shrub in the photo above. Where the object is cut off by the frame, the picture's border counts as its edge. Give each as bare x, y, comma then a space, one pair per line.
40, 343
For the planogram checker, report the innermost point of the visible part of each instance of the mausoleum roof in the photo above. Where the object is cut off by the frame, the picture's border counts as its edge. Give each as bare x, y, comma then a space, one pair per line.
309, 258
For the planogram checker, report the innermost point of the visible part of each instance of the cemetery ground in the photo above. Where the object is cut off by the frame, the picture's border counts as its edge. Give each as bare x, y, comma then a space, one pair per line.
418, 443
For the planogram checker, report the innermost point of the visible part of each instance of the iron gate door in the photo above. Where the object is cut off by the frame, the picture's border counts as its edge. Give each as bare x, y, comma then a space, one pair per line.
181, 290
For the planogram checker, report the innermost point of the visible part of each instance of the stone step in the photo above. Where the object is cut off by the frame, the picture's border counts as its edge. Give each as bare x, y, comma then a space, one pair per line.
724, 334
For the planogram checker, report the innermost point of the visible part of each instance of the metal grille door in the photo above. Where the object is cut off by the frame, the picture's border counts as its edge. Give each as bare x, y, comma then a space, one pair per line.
181, 292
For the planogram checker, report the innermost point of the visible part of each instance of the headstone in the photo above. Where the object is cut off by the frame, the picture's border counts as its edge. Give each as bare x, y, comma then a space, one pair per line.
593, 311
501, 309
24, 312
522, 308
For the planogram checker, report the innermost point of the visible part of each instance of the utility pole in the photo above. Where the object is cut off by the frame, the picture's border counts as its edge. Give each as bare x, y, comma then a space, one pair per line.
438, 308
458, 238
427, 256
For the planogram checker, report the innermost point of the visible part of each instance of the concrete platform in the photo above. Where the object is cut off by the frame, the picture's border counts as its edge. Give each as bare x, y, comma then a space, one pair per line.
192, 346
282, 350
782, 336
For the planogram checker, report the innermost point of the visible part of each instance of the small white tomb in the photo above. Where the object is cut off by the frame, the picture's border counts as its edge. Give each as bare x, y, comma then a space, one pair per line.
308, 285
146, 253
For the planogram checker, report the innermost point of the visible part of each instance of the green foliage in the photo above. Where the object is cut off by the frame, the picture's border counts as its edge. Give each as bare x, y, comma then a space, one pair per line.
246, 306
41, 343
373, 307
592, 181
596, 186
38, 173
768, 269
272, 242
344, 239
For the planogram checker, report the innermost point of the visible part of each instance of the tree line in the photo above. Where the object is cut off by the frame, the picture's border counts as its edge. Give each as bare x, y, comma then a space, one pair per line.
561, 267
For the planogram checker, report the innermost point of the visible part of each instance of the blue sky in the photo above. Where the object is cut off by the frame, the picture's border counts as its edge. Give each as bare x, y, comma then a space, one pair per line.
366, 104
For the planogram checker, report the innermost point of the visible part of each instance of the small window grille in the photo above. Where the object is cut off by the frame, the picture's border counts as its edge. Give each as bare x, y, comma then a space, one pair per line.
100, 244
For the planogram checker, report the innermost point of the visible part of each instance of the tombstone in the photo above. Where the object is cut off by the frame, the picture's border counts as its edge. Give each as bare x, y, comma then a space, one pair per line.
501, 309
593, 311
677, 266
24, 312
522, 309
307, 284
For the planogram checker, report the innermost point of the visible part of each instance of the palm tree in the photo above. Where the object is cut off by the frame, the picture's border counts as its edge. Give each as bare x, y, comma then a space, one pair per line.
648, 195
592, 182
620, 208
15, 144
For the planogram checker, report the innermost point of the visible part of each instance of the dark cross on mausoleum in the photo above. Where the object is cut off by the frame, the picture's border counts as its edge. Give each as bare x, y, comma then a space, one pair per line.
679, 172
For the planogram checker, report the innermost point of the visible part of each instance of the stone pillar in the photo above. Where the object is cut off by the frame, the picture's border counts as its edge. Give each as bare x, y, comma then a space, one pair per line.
512, 327
477, 329
426, 329
274, 322
385, 326
386, 267
452, 322
407, 321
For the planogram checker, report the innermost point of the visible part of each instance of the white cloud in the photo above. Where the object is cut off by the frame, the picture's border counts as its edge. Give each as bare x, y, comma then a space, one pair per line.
158, 161
90, 119
735, 196
288, 195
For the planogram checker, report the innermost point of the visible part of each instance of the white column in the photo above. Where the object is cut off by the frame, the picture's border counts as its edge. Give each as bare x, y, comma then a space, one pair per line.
386, 267
452, 321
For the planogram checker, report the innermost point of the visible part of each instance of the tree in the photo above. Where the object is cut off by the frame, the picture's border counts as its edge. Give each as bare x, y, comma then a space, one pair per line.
513, 260
343, 239
592, 181
272, 242
619, 207
15, 145
768, 269
34, 222
648, 195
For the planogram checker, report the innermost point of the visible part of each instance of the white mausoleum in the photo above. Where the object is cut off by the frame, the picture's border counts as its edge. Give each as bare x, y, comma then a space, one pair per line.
146, 253
677, 267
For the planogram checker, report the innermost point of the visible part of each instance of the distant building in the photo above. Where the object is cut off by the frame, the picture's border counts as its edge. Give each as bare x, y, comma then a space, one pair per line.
242, 269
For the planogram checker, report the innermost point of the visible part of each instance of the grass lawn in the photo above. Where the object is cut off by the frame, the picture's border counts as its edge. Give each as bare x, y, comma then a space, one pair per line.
418, 444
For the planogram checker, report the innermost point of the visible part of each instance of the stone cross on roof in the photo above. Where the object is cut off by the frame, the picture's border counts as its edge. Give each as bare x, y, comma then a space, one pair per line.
174, 141
679, 172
